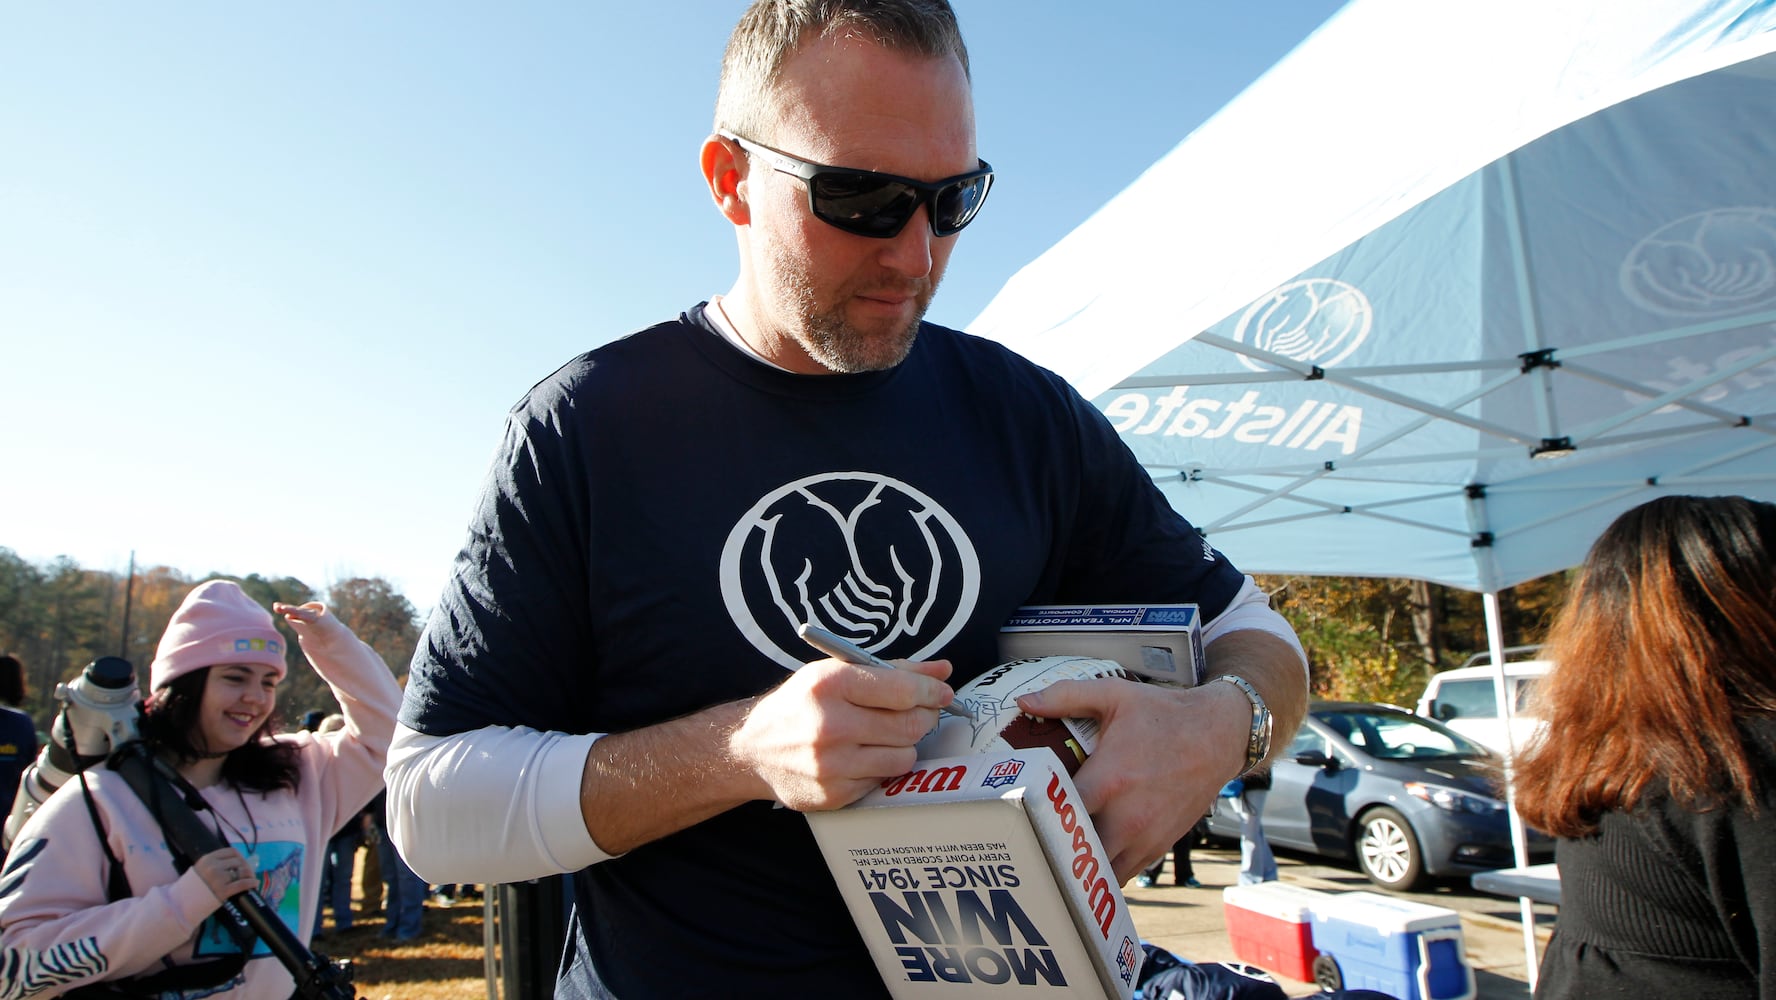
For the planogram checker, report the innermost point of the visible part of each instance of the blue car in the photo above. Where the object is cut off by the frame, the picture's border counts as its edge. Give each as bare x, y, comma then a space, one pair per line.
1406, 797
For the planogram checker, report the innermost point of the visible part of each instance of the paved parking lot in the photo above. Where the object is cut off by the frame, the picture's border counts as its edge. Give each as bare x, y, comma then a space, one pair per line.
1189, 922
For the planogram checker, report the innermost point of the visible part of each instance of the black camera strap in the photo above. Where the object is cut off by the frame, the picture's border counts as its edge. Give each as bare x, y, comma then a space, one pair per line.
116, 880
176, 980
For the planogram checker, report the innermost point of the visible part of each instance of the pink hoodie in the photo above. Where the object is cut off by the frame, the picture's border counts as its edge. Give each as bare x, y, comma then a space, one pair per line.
57, 929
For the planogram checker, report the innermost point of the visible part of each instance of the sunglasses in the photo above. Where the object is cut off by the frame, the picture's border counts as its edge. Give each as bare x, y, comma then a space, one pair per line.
879, 205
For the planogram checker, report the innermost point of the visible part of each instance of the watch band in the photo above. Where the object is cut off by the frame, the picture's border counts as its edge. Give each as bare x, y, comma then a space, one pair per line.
1258, 742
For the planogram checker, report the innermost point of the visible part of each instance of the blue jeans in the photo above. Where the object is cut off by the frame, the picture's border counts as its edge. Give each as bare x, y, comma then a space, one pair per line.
406, 894
336, 879
1257, 864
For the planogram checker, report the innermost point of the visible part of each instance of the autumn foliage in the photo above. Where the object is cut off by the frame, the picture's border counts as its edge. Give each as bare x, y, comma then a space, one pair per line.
58, 617
1366, 639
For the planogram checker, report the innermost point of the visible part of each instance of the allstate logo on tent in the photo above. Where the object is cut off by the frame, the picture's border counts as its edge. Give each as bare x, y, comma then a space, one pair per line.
1319, 321
1715, 263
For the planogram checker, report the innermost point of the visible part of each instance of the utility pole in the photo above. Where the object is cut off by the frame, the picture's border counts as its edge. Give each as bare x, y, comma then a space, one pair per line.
129, 589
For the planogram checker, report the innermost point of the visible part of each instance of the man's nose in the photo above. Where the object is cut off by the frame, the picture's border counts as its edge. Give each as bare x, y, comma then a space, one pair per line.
908, 252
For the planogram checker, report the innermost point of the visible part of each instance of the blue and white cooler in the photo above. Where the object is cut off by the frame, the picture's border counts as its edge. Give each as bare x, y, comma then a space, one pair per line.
1410, 950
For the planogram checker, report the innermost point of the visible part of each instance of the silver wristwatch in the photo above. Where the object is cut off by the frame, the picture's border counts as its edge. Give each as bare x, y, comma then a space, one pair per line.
1258, 743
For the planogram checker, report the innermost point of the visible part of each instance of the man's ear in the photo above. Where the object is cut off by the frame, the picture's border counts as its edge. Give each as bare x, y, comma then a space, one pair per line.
724, 170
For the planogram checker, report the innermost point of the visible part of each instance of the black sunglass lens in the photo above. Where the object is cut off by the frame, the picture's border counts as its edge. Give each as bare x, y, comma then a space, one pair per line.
955, 206
862, 203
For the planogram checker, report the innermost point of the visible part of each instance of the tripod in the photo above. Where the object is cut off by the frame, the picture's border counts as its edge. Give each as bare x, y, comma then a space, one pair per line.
249, 917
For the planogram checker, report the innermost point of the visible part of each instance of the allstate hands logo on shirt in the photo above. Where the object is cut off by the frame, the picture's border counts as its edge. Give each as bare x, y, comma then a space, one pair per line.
864, 555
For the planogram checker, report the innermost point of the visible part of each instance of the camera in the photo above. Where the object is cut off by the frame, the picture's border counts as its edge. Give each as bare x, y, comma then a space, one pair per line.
101, 712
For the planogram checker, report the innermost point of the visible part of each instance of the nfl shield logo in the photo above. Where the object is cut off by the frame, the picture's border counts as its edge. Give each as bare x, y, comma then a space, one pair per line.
1128, 960
1003, 773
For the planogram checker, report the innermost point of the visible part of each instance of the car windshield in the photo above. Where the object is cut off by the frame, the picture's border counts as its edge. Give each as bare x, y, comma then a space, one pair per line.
1397, 735
1476, 698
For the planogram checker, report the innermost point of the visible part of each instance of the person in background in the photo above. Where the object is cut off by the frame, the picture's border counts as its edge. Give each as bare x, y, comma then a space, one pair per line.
1183, 873
1257, 863
341, 856
612, 685
452, 893
1657, 767
18, 734
405, 910
67, 921
370, 883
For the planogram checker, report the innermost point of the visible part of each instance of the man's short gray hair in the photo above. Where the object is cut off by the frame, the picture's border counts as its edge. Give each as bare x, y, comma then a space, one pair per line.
772, 30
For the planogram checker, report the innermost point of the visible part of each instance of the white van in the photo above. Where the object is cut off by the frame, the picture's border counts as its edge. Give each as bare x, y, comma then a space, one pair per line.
1465, 700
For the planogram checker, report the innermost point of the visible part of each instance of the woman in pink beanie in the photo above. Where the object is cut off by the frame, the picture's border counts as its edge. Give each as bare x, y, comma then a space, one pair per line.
66, 921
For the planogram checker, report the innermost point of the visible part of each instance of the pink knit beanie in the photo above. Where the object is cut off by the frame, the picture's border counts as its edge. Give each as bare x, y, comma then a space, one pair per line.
217, 623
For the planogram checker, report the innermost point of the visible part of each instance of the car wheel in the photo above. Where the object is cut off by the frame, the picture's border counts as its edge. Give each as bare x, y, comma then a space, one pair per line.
1326, 973
1388, 851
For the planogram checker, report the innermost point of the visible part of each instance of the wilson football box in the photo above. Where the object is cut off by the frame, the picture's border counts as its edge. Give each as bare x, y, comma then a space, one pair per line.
981, 876
1161, 642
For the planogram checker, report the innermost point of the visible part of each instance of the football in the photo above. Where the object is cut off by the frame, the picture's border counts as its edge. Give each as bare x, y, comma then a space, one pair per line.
997, 723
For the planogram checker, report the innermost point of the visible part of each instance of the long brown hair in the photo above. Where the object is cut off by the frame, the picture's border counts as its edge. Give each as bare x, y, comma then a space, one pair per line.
1667, 640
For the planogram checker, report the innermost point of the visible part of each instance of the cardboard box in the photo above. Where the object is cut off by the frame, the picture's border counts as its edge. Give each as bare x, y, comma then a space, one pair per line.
1271, 926
981, 876
1162, 642
1413, 951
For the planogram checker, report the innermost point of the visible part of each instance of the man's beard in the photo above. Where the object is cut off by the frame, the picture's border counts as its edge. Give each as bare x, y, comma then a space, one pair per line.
841, 347
830, 339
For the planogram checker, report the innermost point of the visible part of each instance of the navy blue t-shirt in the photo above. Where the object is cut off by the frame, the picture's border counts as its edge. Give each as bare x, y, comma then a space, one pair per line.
18, 748
662, 513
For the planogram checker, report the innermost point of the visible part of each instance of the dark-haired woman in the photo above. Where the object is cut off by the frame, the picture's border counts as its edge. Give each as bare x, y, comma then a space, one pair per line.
18, 734
66, 918
1657, 770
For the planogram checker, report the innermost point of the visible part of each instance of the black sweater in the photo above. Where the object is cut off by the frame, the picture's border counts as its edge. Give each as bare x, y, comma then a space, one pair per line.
1664, 902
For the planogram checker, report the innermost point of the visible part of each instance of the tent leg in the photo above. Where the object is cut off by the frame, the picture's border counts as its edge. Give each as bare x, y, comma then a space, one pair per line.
1533, 963
1495, 641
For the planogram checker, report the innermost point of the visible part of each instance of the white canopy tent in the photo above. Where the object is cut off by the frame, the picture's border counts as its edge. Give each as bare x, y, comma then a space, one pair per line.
1443, 293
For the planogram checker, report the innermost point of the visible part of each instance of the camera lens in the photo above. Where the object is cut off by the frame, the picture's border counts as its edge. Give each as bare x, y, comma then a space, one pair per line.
111, 672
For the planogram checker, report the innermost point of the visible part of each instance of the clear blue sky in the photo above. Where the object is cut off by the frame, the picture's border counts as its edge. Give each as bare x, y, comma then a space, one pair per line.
271, 274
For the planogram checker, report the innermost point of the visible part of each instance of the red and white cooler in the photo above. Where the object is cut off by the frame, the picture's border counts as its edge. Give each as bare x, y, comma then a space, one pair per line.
1271, 926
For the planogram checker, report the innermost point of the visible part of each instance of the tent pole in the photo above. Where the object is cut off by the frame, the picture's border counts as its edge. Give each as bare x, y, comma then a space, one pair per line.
1495, 643
1501, 690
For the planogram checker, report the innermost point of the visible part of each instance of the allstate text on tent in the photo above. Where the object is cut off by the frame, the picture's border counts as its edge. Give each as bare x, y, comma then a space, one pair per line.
1311, 425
